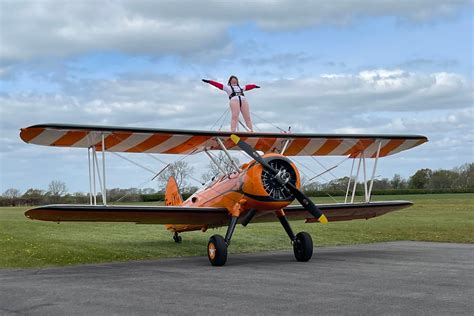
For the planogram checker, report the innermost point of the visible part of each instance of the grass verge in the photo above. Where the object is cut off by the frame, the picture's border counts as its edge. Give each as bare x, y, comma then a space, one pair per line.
26, 243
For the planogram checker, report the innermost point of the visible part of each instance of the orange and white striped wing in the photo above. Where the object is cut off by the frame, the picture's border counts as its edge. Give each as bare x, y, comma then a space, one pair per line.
163, 141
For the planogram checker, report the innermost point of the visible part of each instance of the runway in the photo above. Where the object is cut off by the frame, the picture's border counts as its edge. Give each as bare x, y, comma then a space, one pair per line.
383, 278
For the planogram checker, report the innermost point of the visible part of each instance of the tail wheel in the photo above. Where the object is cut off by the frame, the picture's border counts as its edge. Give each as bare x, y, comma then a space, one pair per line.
217, 250
177, 238
303, 247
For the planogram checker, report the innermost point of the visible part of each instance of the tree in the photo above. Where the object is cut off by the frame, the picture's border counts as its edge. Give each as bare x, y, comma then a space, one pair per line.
397, 182
381, 184
33, 196
468, 175
180, 170
13, 195
80, 197
223, 162
148, 191
311, 187
420, 179
465, 176
443, 179
339, 184
189, 190
57, 188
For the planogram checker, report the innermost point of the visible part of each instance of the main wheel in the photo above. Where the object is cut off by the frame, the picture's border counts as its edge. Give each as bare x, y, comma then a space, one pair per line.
303, 247
217, 250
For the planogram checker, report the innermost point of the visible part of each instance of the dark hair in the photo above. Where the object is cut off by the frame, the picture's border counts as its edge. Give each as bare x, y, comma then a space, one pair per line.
232, 77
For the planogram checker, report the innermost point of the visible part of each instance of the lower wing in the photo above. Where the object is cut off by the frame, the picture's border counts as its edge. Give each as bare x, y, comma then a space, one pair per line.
210, 216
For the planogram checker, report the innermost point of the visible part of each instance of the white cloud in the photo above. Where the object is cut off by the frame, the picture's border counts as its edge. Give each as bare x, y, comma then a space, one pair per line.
32, 29
166, 101
439, 105
58, 28
370, 90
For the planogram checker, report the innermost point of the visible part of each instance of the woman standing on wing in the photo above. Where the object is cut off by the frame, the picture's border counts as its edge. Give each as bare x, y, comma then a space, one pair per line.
238, 103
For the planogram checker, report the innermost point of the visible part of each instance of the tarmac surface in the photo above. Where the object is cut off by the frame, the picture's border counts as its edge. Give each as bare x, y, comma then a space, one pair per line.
383, 278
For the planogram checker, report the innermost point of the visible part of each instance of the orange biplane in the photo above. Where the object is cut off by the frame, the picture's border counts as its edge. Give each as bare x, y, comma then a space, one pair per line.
258, 191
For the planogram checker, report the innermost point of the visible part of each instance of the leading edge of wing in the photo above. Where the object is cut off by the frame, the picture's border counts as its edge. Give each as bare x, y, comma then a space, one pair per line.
101, 128
129, 213
168, 141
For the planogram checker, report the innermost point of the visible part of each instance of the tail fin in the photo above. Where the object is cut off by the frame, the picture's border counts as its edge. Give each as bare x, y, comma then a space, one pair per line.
172, 196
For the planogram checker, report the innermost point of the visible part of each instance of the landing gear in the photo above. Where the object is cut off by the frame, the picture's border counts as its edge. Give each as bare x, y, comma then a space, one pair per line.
302, 242
177, 238
217, 250
303, 247
217, 245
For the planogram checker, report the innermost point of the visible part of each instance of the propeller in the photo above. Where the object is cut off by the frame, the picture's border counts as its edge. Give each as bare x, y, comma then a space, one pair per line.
283, 178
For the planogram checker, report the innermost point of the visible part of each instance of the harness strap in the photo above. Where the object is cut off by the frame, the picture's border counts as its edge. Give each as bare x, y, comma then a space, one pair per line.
237, 93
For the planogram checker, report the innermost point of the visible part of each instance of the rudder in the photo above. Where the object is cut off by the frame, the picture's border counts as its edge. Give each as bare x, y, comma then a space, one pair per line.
172, 195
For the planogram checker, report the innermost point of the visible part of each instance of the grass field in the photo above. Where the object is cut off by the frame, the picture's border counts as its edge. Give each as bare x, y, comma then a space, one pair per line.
26, 243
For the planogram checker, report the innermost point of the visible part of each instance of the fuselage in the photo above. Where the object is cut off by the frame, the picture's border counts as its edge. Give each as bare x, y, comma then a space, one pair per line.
245, 190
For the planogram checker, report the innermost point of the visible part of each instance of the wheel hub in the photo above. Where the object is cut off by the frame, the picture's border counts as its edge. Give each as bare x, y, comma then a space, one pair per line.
212, 251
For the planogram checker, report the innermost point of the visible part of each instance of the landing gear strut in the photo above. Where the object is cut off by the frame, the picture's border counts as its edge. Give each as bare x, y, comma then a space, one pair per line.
217, 245
302, 242
177, 238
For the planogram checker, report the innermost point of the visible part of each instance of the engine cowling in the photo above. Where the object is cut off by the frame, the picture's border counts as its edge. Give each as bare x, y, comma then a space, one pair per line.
266, 190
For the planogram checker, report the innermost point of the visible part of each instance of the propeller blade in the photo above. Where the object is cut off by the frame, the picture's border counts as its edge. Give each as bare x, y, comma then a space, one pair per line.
252, 153
299, 195
307, 203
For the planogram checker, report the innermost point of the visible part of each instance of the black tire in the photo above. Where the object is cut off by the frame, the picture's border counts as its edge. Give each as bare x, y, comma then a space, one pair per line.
303, 247
177, 239
217, 250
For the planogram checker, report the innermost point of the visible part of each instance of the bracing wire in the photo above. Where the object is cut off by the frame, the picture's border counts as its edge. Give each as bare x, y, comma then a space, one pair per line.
219, 119
266, 121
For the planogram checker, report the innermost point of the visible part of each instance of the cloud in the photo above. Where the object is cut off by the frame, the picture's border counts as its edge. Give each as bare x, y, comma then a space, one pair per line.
52, 29
370, 90
58, 29
420, 63
284, 60
166, 101
159, 100
438, 105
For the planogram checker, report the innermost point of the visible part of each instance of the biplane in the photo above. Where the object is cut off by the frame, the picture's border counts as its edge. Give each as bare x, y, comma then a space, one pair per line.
261, 190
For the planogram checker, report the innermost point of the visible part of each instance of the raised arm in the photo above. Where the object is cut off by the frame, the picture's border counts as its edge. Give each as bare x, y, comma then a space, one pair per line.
216, 84
250, 87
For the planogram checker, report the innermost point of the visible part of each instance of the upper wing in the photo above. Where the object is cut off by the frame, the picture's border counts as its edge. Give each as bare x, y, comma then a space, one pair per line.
166, 141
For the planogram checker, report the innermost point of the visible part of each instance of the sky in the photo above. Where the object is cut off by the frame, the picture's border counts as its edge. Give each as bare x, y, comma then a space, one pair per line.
368, 66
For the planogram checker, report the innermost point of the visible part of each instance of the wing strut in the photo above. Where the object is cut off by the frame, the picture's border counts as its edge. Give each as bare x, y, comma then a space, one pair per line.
96, 171
367, 190
221, 144
104, 193
373, 171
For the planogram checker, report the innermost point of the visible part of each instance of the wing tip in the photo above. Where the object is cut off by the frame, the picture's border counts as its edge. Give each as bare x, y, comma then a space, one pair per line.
27, 134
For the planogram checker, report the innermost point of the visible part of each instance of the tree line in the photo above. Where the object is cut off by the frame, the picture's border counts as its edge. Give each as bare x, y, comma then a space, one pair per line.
459, 179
